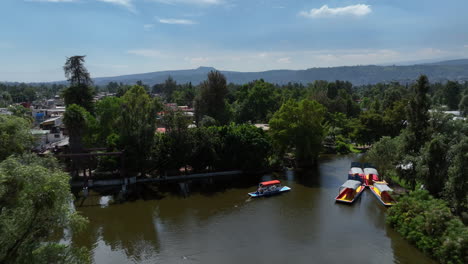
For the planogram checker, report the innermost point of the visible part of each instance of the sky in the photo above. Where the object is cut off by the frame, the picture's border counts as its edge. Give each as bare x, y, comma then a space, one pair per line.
136, 36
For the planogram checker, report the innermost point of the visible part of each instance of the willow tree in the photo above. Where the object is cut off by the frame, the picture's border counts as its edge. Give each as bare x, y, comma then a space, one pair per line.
299, 127
80, 91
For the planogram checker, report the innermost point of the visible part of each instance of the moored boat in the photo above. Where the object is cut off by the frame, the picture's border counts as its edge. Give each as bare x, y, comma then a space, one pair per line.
381, 190
355, 172
269, 188
350, 191
371, 175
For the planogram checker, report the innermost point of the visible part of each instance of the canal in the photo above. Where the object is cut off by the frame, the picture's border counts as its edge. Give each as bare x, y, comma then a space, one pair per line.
225, 226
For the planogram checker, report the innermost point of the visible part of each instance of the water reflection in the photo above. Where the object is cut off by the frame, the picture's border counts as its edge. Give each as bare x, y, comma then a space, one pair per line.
218, 223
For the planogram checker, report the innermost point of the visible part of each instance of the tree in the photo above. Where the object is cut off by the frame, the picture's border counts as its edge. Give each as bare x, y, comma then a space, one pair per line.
80, 91
21, 111
259, 103
75, 71
75, 121
434, 165
452, 95
418, 115
170, 85
298, 127
108, 113
137, 127
15, 136
463, 106
455, 190
35, 204
384, 155
212, 98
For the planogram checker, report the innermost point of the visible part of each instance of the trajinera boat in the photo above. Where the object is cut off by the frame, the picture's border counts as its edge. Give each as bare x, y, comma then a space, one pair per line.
381, 190
350, 191
371, 175
355, 172
269, 188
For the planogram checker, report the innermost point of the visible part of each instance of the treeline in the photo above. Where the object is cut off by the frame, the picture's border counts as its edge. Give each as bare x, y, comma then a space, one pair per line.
430, 153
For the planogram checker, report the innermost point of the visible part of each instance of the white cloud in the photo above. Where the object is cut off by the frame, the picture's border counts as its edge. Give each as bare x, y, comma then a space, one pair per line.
325, 11
52, 1
150, 53
176, 21
284, 60
192, 2
124, 3
148, 26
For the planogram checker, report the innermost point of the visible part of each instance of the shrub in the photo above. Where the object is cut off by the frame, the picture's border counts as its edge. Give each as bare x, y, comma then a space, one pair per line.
429, 224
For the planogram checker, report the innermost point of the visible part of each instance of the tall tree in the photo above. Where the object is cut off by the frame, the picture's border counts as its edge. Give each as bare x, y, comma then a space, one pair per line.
463, 106
452, 95
212, 98
76, 124
80, 91
434, 165
137, 127
299, 127
418, 115
75, 71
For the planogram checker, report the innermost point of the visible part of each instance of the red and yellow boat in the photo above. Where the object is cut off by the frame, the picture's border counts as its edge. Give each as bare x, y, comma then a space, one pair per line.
371, 176
350, 191
381, 190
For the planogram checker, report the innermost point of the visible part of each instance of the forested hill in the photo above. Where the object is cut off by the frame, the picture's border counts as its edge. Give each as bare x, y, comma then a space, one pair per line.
358, 75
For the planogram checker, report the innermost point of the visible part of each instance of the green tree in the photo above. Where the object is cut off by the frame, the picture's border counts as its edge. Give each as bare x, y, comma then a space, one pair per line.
137, 127
259, 103
212, 99
15, 136
108, 113
384, 155
21, 111
299, 127
456, 188
452, 95
418, 116
463, 106
35, 206
80, 91
76, 123
434, 164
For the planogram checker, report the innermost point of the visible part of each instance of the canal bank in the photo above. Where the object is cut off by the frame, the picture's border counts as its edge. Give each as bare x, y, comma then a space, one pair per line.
225, 226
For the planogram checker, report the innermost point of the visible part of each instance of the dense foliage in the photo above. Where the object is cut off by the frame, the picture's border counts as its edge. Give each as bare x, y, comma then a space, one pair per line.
429, 224
35, 205
15, 136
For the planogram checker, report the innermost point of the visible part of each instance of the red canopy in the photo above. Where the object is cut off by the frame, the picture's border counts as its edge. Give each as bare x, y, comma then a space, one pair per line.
270, 183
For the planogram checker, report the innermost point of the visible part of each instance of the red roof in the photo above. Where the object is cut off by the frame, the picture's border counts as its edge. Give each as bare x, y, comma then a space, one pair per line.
266, 183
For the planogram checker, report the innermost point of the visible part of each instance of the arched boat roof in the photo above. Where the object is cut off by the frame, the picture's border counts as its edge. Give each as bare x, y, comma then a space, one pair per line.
368, 171
355, 170
352, 184
382, 187
266, 183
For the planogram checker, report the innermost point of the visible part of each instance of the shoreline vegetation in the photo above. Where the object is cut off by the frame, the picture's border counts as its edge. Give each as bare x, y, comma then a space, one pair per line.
141, 130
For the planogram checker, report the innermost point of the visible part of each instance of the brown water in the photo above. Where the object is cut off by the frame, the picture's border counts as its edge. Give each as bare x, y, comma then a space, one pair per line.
302, 226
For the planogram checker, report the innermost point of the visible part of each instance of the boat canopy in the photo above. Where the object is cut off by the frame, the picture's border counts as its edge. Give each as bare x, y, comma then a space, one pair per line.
351, 184
382, 187
368, 171
267, 183
355, 170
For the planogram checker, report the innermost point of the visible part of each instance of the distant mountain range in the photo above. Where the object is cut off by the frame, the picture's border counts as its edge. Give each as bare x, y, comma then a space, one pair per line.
456, 70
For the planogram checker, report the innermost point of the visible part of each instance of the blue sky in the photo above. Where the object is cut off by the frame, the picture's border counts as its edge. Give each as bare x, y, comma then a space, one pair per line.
135, 36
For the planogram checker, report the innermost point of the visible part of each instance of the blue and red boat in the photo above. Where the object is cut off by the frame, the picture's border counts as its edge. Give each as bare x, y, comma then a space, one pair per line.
268, 188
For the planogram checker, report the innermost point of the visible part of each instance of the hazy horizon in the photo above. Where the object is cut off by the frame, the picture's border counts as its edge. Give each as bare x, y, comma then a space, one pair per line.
122, 37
